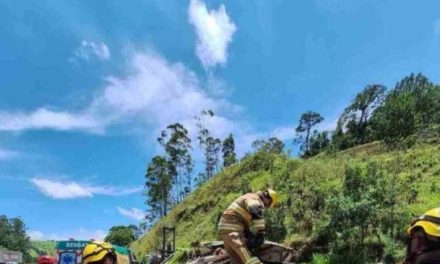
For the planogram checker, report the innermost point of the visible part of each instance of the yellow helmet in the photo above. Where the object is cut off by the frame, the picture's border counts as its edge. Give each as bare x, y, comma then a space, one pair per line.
274, 196
96, 251
429, 222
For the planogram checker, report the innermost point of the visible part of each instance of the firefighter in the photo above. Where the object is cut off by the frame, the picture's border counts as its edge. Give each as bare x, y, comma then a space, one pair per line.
424, 239
98, 252
242, 227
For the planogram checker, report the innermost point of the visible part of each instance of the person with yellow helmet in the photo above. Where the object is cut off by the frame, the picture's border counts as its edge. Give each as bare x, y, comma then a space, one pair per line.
424, 242
99, 252
242, 226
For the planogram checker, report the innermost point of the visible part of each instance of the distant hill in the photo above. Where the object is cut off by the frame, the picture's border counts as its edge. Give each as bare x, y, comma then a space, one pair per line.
307, 188
40, 246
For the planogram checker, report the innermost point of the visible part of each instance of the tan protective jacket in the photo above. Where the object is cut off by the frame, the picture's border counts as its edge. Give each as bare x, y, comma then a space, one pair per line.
243, 215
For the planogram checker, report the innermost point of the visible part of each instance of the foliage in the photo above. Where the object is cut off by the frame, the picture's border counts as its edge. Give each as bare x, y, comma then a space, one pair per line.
210, 147
355, 118
350, 206
177, 145
413, 104
410, 108
309, 188
42, 247
121, 235
228, 150
321, 259
319, 142
13, 236
272, 145
159, 179
366, 208
307, 121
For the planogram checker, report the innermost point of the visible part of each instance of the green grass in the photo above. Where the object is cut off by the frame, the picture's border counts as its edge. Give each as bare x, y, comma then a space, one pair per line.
303, 184
37, 247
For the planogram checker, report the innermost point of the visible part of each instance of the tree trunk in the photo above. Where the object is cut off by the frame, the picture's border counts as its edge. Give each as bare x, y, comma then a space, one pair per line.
307, 139
165, 201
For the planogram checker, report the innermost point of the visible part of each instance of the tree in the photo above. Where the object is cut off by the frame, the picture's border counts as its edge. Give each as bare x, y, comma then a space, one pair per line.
319, 141
307, 121
121, 235
210, 146
13, 236
355, 117
228, 150
365, 207
273, 145
177, 145
258, 144
412, 105
137, 230
159, 180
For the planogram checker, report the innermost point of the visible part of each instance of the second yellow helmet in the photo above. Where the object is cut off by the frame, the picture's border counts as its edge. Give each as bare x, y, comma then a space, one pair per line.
429, 222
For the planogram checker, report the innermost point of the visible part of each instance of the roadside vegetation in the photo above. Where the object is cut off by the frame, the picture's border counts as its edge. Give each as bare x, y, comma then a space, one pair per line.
42, 247
13, 236
348, 198
358, 201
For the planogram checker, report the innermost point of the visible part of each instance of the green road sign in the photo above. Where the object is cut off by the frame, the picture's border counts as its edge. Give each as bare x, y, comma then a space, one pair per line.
72, 244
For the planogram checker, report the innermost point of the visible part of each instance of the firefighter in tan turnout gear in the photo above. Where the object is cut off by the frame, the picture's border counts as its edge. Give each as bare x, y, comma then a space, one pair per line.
242, 227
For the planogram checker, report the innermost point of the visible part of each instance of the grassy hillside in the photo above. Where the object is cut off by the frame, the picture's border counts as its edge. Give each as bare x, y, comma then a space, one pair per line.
307, 188
37, 247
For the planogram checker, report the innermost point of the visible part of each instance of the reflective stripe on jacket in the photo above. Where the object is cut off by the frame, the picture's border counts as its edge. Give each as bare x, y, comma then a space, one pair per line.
245, 213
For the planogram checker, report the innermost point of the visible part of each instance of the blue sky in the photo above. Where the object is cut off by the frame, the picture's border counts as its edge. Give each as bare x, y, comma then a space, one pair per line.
86, 86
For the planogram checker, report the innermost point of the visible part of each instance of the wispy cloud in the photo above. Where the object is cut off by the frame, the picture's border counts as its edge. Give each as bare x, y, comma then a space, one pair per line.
6, 154
154, 94
70, 190
79, 234
43, 118
214, 30
133, 213
89, 50
35, 235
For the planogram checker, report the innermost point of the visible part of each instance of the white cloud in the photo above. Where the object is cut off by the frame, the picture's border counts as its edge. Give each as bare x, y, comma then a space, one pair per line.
157, 90
35, 234
79, 234
214, 31
89, 50
43, 118
8, 154
283, 133
133, 213
70, 190
154, 94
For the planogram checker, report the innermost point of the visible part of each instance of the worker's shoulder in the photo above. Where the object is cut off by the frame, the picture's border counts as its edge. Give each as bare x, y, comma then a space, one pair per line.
250, 196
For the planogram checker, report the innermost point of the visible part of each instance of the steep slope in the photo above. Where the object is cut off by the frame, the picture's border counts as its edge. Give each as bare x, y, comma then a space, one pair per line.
305, 186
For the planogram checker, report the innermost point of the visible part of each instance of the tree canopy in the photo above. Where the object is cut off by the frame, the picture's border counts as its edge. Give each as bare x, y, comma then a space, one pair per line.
13, 235
121, 235
307, 121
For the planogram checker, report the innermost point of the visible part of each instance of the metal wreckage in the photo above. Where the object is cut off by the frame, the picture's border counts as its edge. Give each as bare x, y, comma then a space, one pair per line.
214, 252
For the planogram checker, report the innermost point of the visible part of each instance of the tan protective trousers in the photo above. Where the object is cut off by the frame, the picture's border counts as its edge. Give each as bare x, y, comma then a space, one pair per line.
235, 245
